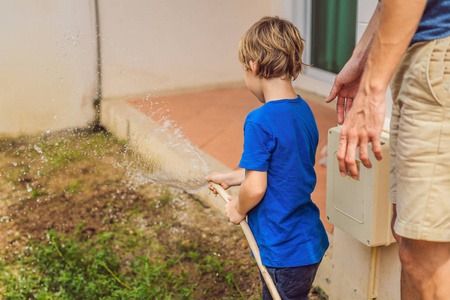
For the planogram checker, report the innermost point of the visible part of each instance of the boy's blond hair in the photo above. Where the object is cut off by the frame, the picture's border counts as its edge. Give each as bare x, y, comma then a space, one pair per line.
275, 45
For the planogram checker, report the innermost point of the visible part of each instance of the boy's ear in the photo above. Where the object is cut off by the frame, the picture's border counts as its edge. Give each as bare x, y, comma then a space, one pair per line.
254, 67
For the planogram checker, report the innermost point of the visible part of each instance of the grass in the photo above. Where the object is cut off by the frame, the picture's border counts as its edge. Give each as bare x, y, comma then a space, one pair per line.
112, 265
75, 228
131, 242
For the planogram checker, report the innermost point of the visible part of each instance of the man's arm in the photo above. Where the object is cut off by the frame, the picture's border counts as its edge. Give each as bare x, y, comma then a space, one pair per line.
398, 23
364, 45
251, 193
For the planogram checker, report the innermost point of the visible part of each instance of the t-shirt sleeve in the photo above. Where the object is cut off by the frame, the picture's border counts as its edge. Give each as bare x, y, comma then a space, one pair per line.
258, 147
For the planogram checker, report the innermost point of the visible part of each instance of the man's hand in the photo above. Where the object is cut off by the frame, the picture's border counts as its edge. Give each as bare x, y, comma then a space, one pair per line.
393, 31
345, 87
362, 125
346, 84
231, 211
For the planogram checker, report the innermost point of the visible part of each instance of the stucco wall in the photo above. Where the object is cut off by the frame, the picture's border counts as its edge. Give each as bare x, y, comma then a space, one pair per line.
47, 65
48, 75
153, 46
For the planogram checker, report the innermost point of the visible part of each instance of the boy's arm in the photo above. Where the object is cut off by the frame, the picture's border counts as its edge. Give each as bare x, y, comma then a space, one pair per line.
251, 193
227, 179
252, 190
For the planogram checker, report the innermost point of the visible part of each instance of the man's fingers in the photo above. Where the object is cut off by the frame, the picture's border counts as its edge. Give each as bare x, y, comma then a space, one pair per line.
341, 154
350, 157
335, 89
346, 154
340, 104
364, 152
376, 148
333, 93
348, 105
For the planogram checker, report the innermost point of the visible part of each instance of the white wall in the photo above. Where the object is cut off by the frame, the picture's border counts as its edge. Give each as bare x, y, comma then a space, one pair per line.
158, 45
47, 65
48, 75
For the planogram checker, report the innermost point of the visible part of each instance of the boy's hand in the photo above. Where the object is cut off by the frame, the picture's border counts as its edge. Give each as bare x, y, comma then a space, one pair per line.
232, 212
219, 178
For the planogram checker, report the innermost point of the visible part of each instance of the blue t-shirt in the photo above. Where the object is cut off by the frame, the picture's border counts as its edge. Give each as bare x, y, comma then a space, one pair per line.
435, 22
281, 138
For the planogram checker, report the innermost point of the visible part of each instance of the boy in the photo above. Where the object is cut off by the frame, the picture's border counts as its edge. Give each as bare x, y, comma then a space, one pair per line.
276, 174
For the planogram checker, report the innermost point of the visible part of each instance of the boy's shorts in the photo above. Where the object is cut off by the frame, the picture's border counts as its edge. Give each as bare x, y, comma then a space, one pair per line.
420, 142
291, 283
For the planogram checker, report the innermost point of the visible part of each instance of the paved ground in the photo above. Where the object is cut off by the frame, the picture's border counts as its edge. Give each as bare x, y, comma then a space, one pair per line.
213, 120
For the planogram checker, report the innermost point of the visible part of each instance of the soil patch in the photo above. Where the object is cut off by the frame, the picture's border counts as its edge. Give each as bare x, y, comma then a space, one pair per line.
77, 182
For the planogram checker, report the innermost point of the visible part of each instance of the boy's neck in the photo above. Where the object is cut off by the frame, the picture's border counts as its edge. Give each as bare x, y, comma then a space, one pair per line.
277, 89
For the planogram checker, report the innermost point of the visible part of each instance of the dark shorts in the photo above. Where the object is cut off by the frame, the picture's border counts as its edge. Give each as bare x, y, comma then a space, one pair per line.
292, 283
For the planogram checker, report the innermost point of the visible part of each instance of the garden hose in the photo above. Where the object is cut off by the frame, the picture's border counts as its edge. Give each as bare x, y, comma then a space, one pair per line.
253, 245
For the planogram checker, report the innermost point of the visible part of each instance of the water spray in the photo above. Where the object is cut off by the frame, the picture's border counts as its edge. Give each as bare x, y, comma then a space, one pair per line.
166, 156
167, 171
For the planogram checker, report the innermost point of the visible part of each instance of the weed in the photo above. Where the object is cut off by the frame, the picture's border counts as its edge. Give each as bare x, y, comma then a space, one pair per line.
101, 267
37, 193
72, 269
318, 293
73, 187
164, 199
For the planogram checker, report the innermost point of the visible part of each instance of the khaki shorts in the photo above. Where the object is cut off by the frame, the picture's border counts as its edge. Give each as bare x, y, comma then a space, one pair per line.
420, 142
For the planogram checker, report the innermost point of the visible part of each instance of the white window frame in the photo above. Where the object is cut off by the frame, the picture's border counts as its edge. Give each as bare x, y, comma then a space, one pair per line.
299, 13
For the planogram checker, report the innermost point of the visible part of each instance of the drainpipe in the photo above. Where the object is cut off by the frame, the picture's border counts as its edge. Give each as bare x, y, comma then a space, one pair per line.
372, 294
96, 126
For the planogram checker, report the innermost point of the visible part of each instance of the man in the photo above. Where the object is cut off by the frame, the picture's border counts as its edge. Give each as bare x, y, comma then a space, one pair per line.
411, 39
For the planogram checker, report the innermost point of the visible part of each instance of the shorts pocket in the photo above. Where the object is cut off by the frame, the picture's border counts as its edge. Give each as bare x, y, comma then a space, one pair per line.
438, 71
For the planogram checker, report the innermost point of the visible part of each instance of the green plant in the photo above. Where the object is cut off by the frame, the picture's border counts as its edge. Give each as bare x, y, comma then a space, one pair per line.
36, 193
318, 293
73, 187
67, 268
79, 268
164, 199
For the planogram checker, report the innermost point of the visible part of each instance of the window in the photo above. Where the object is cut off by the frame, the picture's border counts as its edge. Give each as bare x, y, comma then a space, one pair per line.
333, 33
